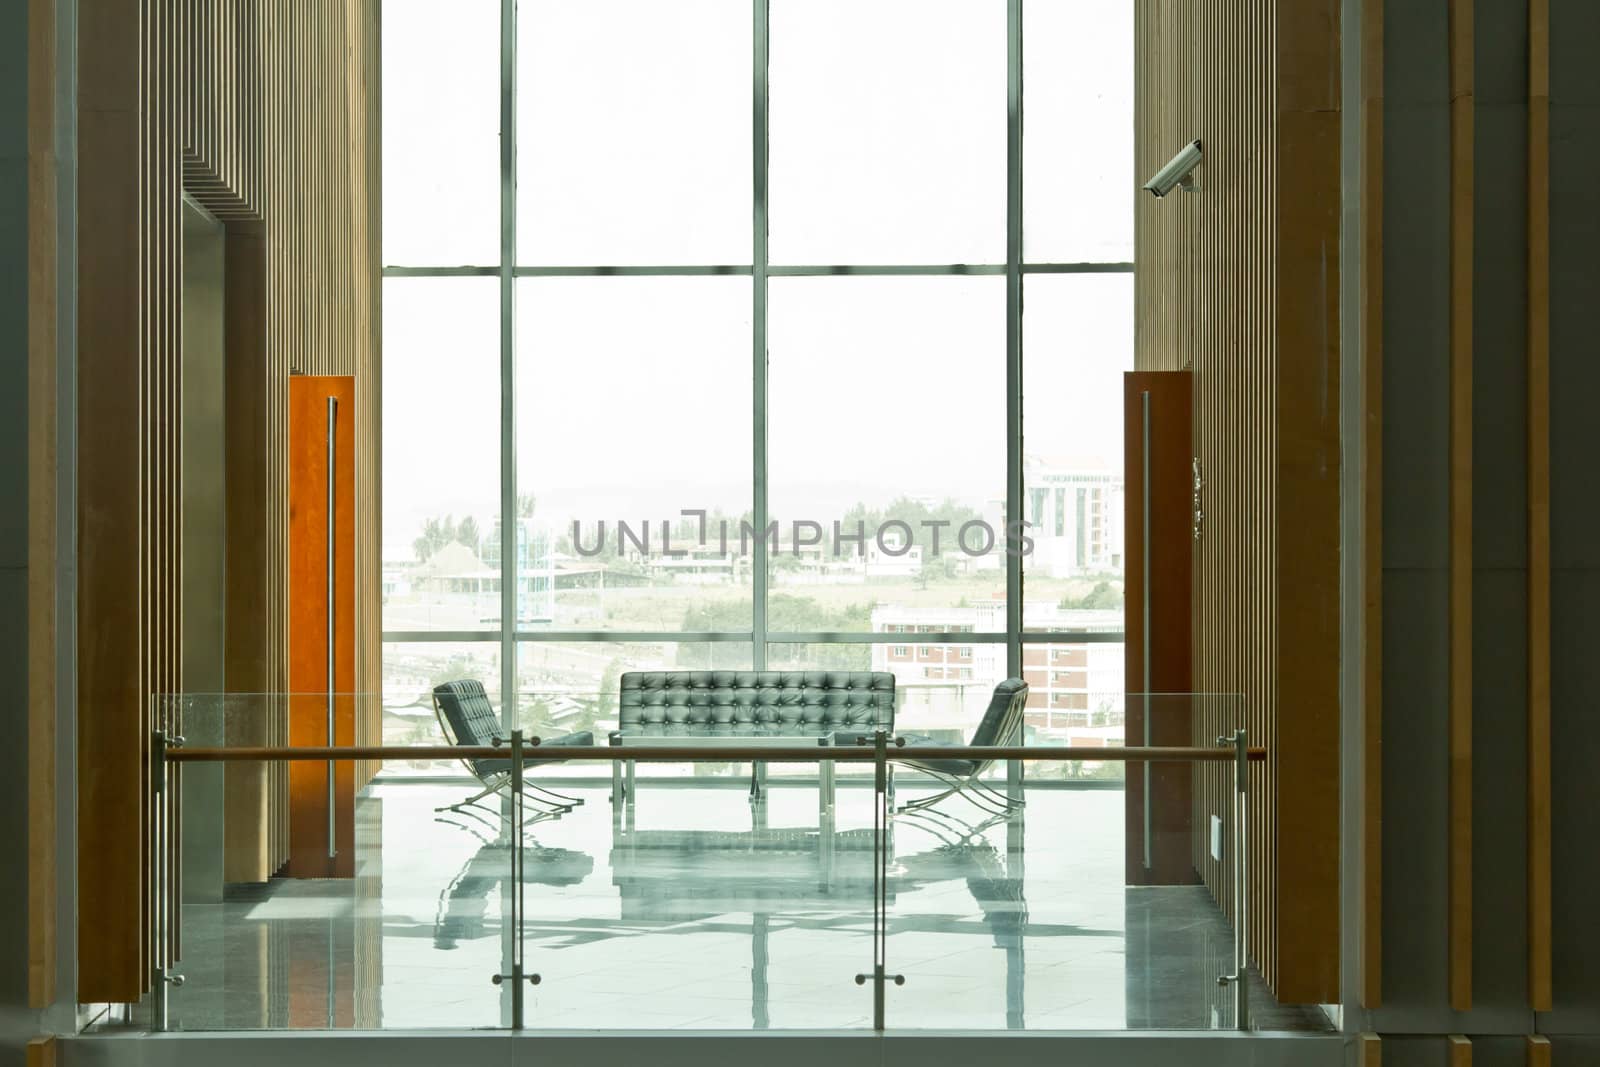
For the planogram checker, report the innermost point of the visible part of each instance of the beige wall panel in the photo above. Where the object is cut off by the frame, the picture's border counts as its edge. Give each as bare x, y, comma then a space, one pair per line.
267, 114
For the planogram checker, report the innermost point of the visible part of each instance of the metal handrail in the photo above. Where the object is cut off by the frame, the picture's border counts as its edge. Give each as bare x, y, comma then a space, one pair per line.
877, 749
728, 753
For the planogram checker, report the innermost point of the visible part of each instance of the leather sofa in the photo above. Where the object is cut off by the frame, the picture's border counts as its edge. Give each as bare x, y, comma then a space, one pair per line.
747, 702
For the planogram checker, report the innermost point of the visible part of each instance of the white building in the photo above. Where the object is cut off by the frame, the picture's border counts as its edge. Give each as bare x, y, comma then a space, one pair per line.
1075, 687
1075, 513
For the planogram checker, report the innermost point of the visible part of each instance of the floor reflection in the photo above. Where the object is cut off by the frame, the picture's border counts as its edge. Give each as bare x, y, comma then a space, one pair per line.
695, 909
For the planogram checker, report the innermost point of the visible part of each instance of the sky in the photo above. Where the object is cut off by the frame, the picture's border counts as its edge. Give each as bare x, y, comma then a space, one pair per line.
887, 123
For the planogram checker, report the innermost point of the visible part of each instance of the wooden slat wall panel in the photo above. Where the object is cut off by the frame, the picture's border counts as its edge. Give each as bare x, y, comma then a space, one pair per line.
266, 114
1242, 288
43, 175
220, 146
110, 601
1461, 329
1371, 316
1305, 615
42, 1052
1540, 985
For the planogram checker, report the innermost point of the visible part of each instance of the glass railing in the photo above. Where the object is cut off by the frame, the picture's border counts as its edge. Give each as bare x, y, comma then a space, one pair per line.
1083, 879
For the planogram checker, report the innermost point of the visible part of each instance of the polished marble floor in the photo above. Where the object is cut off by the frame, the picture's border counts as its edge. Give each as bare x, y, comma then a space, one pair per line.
699, 910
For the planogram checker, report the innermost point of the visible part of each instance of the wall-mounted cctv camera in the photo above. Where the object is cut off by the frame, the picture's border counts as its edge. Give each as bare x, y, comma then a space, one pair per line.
1178, 173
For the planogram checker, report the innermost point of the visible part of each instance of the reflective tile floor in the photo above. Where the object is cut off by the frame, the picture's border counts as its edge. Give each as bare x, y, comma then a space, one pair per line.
701, 911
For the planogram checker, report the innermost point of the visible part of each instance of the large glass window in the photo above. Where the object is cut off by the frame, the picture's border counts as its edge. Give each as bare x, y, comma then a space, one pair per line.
886, 448
1077, 342
888, 131
633, 140
633, 407
752, 341
1078, 152
441, 126
441, 454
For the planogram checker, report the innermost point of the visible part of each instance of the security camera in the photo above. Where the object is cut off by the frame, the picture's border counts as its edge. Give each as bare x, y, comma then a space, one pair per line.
1177, 172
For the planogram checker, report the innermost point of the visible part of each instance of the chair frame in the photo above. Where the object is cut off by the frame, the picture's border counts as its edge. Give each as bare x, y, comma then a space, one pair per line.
498, 781
971, 786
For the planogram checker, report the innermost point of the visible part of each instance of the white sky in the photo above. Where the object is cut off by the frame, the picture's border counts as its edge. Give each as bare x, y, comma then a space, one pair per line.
887, 122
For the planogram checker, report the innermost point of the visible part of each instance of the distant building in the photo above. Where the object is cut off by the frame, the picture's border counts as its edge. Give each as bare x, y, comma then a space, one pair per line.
454, 569
1074, 510
1075, 689
536, 568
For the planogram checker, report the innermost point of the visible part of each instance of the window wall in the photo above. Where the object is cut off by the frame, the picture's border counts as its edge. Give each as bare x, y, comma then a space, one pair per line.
778, 334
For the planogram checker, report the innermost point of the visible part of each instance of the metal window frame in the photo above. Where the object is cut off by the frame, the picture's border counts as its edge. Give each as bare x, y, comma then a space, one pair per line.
759, 269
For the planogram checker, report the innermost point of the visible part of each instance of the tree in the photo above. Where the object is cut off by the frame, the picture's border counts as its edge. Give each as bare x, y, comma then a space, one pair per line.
1103, 595
947, 517
467, 533
436, 533
935, 568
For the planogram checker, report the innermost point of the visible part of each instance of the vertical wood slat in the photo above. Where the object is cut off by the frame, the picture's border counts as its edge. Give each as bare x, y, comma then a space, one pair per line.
1538, 1051
41, 466
1540, 936
1459, 1047
1302, 476
110, 556
1371, 326
1460, 507
42, 1052
1369, 1051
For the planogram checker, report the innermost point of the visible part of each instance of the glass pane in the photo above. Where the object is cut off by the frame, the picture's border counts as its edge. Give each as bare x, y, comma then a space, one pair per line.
887, 453
441, 133
567, 687
941, 690
441, 453
888, 131
1077, 149
703, 911
410, 671
1075, 697
1077, 341
634, 407
634, 130
410, 940
1056, 916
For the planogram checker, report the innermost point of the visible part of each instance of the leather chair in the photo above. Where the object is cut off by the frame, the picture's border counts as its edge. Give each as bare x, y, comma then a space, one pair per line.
1001, 725
468, 719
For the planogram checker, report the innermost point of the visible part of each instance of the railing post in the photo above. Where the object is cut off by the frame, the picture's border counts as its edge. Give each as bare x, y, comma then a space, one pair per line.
160, 891
880, 879
1241, 883
519, 972
158, 888
1240, 861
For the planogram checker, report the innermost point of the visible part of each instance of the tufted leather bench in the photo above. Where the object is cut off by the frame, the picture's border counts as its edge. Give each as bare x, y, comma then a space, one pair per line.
712, 706
799, 702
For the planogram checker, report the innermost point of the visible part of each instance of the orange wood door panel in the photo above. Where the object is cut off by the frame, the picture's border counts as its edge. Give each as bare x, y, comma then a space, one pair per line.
308, 621
1169, 553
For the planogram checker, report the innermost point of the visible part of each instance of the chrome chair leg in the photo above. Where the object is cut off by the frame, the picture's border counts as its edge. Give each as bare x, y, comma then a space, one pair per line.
981, 796
473, 799
926, 802
557, 803
561, 799
1009, 802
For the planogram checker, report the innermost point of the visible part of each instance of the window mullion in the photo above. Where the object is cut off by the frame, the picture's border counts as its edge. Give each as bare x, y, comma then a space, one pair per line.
759, 504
